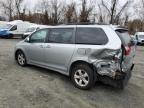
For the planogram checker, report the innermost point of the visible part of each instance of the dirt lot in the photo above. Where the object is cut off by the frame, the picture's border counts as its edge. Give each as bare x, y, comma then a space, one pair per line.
33, 87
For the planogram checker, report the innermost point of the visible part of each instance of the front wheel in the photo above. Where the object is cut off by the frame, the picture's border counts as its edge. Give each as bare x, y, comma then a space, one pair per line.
83, 76
21, 59
10, 36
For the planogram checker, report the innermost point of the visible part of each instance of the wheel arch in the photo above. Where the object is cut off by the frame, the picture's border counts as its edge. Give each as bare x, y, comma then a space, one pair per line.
79, 62
17, 52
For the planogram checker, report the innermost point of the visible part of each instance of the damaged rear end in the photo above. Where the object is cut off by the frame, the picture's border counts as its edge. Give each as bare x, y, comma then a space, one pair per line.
114, 66
128, 50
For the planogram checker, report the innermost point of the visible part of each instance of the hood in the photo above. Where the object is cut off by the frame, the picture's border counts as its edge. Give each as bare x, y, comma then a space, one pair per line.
3, 30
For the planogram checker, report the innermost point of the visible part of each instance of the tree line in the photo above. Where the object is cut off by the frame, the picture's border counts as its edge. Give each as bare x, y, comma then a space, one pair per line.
53, 12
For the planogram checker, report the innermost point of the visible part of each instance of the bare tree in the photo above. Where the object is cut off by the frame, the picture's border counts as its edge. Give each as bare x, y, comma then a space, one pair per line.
142, 1
18, 7
43, 12
42, 6
101, 14
113, 10
70, 13
85, 12
126, 19
57, 10
8, 7
135, 26
140, 9
23, 13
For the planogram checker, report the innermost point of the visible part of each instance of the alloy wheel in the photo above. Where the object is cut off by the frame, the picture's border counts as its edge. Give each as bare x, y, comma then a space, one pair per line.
81, 78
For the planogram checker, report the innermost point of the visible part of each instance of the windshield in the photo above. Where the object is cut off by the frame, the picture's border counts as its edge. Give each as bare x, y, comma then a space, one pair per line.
141, 36
7, 26
31, 29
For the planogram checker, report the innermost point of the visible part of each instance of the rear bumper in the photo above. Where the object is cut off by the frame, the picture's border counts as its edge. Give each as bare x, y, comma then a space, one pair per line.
121, 79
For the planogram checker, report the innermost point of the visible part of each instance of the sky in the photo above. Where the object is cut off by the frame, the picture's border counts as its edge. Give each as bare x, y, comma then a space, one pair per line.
30, 4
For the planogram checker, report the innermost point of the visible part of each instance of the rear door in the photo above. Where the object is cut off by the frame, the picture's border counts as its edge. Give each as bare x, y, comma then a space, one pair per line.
129, 48
59, 48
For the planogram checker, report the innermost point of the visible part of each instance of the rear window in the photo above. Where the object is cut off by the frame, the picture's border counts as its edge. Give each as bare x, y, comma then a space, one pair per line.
124, 36
93, 36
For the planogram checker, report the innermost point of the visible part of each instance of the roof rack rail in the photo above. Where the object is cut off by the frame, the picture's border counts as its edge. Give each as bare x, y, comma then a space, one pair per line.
85, 23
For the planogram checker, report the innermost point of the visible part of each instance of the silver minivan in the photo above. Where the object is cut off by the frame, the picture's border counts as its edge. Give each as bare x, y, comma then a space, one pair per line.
86, 53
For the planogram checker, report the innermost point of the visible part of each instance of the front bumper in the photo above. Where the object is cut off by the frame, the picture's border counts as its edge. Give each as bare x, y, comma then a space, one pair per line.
4, 36
140, 41
24, 36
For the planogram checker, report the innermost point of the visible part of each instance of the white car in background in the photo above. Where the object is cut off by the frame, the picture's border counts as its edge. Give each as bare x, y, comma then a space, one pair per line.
139, 37
14, 28
32, 29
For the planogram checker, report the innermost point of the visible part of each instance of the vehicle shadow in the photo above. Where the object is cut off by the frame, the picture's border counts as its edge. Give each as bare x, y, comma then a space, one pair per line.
100, 94
47, 72
67, 80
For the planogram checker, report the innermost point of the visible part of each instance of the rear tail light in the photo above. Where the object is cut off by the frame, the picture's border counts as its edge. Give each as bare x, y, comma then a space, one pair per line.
127, 50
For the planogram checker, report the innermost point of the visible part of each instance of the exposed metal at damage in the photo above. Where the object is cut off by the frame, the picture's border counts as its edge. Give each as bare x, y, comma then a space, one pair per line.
107, 62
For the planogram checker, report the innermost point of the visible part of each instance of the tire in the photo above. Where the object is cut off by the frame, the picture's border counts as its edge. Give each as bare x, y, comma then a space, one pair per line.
21, 59
82, 76
23, 37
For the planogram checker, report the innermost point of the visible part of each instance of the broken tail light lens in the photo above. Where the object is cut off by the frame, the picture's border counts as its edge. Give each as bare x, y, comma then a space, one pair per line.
117, 55
115, 58
127, 50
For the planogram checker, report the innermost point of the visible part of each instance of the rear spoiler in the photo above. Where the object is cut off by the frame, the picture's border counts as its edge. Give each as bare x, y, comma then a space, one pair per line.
121, 30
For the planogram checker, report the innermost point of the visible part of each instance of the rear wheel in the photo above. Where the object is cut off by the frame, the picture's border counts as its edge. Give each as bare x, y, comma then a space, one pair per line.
82, 76
21, 59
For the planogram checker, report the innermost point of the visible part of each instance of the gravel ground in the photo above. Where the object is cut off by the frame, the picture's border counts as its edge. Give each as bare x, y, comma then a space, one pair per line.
34, 87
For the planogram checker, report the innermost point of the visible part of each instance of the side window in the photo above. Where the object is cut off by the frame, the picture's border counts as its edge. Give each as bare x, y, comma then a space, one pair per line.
13, 28
39, 36
61, 35
93, 36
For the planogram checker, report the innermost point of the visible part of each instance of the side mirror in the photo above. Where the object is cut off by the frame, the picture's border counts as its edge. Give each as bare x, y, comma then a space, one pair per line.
27, 39
37, 28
